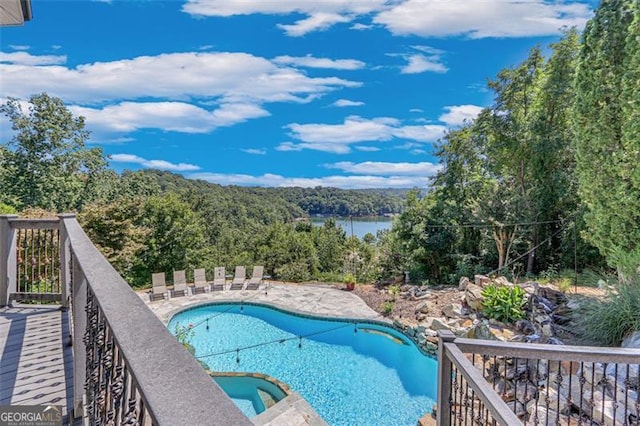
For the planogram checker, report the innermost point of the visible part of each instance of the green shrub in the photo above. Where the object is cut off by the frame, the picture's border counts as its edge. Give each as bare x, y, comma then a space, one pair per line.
297, 271
184, 334
387, 307
349, 278
607, 322
395, 290
503, 303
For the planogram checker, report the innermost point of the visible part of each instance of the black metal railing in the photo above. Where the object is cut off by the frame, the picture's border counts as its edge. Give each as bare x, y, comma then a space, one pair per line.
127, 367
485, 382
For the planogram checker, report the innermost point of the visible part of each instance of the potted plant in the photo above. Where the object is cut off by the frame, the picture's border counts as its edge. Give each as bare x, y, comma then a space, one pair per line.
350, 280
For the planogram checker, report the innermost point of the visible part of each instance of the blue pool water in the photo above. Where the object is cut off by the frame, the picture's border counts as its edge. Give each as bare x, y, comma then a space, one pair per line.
374, 376
245, 392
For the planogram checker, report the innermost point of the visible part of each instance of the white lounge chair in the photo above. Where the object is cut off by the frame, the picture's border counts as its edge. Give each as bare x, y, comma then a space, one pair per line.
256, 278
200, 283
159, 286
239, 278
179, 284
219, 279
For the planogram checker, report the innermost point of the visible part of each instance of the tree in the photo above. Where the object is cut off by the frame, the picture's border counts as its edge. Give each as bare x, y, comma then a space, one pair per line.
46, 163
176, 240
115, 229
606, 120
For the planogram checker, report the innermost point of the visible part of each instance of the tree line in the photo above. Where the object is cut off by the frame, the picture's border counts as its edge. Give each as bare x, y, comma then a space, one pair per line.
148, 221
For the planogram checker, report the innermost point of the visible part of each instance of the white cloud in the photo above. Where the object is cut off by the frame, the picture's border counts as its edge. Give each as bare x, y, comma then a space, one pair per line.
365, 148
238, 84
255, 151
416, 110
482, 18
419, 63
336, 138
24, 58
315, 22
288, 146
153, 164
360, 27
386, 169
312, 62
319, 14
346, 182
20, 46
428, 49
208, 75
426, 18
456, 115
169, 116
346, 103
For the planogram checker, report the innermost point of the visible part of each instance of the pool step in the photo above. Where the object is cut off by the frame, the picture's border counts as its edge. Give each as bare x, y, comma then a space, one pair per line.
266, 398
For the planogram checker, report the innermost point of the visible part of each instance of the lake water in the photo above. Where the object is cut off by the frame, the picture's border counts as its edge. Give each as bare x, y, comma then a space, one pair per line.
361, 226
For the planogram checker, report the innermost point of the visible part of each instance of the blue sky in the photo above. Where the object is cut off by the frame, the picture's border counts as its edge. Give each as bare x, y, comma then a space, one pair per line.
345, 93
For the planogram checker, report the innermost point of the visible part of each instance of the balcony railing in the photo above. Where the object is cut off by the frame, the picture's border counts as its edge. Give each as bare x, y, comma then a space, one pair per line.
484, 382
127, 367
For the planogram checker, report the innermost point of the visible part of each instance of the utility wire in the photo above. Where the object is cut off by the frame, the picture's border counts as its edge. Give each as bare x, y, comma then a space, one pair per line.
234, 304
490, 225
286, 339
527, 252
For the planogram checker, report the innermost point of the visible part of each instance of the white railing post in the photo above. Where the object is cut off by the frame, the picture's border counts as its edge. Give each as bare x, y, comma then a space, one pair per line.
8, 259
444, 379
65, 257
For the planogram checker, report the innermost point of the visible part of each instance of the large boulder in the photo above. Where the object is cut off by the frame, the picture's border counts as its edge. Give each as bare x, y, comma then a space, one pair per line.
436, 323
502, 282
473, 297
452, 310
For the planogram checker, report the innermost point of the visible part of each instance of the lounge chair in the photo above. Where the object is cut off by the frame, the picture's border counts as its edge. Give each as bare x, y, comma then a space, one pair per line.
200, 283
159, 288
179, 284
239, 278
219, 279
256, 278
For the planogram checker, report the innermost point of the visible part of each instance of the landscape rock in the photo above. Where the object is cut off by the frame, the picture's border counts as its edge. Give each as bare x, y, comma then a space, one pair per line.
481, 331
473, 297
542, 416
481, 280
525, 327
452, 310
464, 282
632, 341
436, 323
502, 282
607, 409
424, 307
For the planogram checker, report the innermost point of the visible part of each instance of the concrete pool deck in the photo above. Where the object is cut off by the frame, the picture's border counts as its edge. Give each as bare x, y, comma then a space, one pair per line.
312, 299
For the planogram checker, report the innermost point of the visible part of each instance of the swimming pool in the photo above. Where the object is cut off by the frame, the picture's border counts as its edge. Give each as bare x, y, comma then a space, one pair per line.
351, 374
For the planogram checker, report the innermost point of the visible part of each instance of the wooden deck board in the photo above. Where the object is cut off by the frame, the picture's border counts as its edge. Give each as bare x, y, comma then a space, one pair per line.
36, 364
